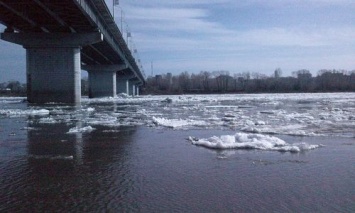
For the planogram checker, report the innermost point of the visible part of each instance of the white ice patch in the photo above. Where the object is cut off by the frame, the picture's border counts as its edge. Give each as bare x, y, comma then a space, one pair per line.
260, 123
11, 101
122, 95
52, 157
39, 112
251, 141
48, 120
19, 113
90, 109
80, 130
294, 130
221, 106
28, 128
177, 123
105, 120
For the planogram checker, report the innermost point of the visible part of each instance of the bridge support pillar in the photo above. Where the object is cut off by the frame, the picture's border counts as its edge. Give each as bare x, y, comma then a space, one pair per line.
133, 89
122, 86
137, 90
102, 84
102, 80
127, 85
53, 64
53, 75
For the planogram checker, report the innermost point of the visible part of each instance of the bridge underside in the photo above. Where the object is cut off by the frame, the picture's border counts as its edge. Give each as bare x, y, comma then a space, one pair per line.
59, 38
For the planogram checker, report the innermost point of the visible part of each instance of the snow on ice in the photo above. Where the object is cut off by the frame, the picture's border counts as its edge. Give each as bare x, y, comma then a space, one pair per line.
251, 141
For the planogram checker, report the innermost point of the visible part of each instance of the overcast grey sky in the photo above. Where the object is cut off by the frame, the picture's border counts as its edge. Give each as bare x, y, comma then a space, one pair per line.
233, 35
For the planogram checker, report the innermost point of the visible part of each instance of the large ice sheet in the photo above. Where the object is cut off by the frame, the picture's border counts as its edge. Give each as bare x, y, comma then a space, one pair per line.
251, 141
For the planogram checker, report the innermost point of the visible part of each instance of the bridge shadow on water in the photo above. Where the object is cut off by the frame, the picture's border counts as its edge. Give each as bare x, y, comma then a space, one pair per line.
82, 171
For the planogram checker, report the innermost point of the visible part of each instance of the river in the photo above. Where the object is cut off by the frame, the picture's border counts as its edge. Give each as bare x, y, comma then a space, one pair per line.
188, 153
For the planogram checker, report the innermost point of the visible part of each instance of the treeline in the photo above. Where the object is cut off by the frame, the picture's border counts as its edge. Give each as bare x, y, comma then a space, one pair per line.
12, 88
16, 88
223, 82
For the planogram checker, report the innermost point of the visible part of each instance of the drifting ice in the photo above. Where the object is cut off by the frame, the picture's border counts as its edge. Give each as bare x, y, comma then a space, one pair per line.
177, 123
251, 141
19, 113
80, 130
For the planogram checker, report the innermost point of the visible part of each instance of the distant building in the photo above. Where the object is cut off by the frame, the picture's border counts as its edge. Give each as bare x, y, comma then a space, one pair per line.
169, 77
158, 78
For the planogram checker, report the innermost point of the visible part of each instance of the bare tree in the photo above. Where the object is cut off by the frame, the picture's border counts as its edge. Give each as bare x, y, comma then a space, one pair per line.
184, 81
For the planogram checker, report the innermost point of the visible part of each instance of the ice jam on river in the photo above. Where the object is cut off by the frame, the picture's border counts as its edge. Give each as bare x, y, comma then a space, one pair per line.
256, 119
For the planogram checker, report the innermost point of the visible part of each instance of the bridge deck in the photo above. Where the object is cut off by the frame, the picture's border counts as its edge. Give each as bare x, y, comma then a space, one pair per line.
73, 16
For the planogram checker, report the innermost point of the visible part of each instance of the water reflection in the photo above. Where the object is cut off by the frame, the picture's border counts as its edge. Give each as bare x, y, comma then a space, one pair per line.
50, 141
81, 171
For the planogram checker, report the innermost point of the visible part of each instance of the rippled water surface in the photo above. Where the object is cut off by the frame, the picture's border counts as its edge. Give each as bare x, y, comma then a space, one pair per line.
216, 153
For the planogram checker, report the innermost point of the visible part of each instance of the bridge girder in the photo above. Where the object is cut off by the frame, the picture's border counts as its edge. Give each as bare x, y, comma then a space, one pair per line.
63, 17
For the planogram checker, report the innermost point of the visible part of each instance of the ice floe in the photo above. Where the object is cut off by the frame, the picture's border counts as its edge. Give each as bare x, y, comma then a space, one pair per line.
80, 130
177, 123
51, 157
90, 109
19, 112
251, 141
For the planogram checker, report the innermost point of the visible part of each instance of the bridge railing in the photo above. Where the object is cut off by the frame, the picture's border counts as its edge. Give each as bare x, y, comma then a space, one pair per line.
106, 24
125, 30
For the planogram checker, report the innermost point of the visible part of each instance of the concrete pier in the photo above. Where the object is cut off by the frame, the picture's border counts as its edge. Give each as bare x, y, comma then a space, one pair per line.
102, 80
128, 85
53, 75
122, 86
137, 90
131, 88
53, 64
102, 84
134, 87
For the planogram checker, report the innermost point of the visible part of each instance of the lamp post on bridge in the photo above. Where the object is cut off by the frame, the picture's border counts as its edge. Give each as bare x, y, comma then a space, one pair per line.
129, 39
114, 4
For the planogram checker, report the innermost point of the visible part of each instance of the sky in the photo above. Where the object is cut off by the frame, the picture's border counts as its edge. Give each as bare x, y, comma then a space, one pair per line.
230, 35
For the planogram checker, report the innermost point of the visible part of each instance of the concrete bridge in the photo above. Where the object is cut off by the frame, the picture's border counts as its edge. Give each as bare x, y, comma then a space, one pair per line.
62, 37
